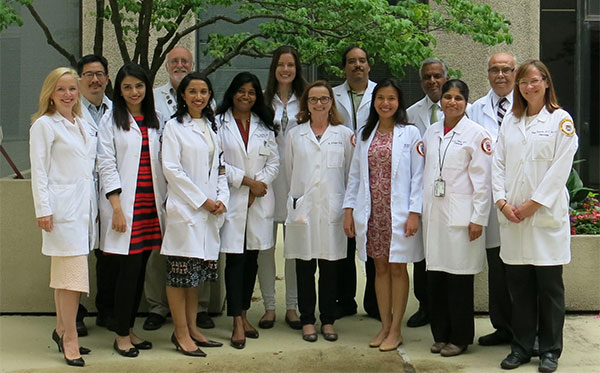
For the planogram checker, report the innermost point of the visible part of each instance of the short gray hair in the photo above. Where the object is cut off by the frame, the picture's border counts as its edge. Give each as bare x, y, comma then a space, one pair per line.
431, 60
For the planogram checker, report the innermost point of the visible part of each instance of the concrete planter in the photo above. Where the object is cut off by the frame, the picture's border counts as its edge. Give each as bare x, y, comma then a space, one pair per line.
581, 277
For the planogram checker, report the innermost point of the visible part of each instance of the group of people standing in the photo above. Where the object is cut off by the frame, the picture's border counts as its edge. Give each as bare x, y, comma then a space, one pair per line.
349, 169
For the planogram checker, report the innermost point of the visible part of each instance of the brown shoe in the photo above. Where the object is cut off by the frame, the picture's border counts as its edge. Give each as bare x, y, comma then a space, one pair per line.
453, 350
437, 347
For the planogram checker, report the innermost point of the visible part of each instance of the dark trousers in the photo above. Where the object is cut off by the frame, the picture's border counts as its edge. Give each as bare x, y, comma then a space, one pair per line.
538, 305
420, 285
128, 289
451, 307
346, 279
499, 299
370, 299
307, 297
107, 270
240, 276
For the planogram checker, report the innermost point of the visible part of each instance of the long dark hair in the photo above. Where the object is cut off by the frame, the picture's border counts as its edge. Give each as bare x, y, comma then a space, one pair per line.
298, 83
120, 111
259, 108
182, 108
399, 116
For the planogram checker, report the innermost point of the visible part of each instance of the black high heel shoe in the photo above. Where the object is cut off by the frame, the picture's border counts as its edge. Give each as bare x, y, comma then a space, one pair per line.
208, 343
79, 362
196, 353
56, 338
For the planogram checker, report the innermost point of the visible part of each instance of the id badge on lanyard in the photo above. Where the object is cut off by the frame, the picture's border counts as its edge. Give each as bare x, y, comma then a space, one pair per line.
439, 185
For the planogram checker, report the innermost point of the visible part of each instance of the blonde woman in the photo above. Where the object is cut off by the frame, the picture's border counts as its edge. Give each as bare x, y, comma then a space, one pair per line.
62, 160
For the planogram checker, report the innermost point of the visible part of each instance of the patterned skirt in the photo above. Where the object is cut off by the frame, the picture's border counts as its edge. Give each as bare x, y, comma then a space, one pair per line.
183, 272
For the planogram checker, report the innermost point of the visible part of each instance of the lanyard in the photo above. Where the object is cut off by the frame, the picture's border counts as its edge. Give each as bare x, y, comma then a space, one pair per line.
442, 159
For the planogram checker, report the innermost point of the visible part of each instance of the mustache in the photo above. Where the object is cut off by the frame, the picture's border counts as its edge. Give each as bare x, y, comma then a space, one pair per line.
358, 68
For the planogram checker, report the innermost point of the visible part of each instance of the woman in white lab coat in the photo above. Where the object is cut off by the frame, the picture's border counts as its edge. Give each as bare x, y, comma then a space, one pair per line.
132, 189
456, 205
383, 203
197, 197
318, 153
247, 136
62, 162
284, 89
532, 162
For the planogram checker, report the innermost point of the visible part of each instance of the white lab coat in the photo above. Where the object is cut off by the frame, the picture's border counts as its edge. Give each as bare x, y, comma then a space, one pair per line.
419, 113
344, 105
165, 102
317, 173
406, 193
256, 222
280, 184
483, 113
92, 129
118, 163
467, 173
192, 178
62, 159
533, 162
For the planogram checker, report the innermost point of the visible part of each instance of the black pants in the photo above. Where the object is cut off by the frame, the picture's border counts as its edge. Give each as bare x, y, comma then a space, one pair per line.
346, 279
538, 301
128, 289
420, 285
107, 270
370, 299
499, 299
307, 297
451, 307
240, 276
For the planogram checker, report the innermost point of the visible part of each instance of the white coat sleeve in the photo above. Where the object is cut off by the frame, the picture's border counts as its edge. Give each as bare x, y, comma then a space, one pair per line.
41, 138
348, 153
178, 180
289, 157
107, 156
271, 168
555, 178
499, 167
354, 175
417, 163
480, 175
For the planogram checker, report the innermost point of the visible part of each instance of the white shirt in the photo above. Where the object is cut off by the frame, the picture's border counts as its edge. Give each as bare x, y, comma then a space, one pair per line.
317, 172
532, 162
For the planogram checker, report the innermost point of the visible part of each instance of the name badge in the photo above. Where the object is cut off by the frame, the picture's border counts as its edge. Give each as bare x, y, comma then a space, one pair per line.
264, 150
439, 188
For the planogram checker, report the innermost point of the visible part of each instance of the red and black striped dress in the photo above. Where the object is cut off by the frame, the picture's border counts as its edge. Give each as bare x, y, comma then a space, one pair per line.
145, 230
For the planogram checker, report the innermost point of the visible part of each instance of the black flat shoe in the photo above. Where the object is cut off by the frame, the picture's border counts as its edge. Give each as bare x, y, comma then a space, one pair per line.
196, 353
239, 344
310, 337
144, 345
296, 324
204, 321
514, 360
56, 338
208, 343
548, 362
132, 352
251, 334
154, 321
331, 337
266, 324
420, 318
79, 362
493, 339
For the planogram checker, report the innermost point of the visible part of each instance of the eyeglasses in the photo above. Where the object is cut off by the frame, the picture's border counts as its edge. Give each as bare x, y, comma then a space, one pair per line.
177, 61
532, 82
504, 70
324, 100
91, 74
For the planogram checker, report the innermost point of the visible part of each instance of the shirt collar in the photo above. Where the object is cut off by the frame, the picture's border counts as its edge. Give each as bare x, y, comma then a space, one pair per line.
495, 98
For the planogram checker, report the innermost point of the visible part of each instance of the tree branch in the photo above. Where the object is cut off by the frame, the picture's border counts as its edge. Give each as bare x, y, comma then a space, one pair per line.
160, 42
115, 18
140, 53
218, 62
50, 38
99, 32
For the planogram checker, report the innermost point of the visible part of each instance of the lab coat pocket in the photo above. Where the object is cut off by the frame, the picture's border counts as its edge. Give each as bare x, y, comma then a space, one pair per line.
64, 200
336, 212
543, 149
461, 209
296, 212
178, 211
553, 217
335, 158
457, 159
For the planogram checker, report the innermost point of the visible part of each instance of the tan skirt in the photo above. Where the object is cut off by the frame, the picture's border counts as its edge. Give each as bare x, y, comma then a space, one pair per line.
70, 273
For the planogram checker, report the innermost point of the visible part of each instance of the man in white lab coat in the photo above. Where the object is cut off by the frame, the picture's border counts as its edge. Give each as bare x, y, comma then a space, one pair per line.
353, 100
489, 111
433, 74
180, 62
93, 71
